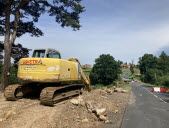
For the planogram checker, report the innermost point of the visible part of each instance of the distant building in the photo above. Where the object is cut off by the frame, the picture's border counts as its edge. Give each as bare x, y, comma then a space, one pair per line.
125, 66
86, 66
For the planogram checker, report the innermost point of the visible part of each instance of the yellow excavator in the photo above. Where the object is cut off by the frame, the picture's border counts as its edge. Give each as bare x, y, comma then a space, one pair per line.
52, 76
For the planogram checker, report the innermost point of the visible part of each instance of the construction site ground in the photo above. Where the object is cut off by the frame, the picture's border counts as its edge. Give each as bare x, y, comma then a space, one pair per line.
28, 113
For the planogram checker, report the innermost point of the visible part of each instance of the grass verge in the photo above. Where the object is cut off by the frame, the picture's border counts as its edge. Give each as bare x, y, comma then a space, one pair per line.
123, 85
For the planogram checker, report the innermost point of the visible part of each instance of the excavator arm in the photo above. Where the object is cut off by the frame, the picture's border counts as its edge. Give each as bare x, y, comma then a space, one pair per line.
85, 79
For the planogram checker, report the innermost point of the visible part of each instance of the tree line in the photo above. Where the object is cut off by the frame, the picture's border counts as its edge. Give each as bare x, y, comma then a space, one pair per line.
155, 70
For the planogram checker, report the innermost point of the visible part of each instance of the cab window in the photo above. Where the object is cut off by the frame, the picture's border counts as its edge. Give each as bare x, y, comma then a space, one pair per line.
56, 55
39, 53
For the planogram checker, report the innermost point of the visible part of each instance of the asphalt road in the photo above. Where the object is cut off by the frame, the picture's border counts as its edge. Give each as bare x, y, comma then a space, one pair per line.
146, 109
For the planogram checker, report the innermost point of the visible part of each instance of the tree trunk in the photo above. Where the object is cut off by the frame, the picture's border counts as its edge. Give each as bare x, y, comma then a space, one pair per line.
7, 47
7, 65
7, 42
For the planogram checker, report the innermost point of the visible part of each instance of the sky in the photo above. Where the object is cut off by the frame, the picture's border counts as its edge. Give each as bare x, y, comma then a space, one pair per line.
125, 29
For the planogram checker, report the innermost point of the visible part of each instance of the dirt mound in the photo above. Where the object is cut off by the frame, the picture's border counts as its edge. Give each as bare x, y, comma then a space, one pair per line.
86, 111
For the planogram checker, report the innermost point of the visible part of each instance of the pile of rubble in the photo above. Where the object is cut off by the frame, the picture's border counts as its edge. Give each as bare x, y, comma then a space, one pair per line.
112, 90
96, 109
93, 108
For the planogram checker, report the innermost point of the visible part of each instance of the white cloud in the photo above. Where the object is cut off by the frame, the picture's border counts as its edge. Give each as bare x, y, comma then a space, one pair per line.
124, 30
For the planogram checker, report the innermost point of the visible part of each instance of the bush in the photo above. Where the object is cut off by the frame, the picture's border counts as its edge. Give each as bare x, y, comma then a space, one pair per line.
164, 81
13, 74
152, 76
105, 70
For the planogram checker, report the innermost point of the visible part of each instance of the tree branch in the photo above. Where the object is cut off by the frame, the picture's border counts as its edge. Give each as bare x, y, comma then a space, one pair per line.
16, 20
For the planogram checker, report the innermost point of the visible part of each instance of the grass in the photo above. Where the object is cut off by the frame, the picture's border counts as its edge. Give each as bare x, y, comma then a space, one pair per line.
100, 86
123, 85
154, 85
125, 69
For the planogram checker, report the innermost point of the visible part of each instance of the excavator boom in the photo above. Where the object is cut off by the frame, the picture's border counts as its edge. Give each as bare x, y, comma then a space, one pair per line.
84, 77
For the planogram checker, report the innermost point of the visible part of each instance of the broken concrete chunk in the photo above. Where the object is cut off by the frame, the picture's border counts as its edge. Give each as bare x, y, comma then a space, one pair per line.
77, 101
124, 91
74, 101
109, 91
103, 118
9, 114
118, 90
116, 111
89, 106
101, 111
108, 121
85, 120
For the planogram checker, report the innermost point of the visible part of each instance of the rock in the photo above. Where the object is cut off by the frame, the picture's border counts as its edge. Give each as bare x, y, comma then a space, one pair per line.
77, 101
74, 101
104, 97
103, 92
72, 107
114, 87
103, 118
124, 91
116, 111
89, 106
101, 111
118, 90
109, 91
107, 121
8, 115
85, 120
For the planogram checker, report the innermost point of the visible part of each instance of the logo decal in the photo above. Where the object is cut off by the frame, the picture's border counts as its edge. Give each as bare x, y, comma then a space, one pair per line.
32, 61
40, 61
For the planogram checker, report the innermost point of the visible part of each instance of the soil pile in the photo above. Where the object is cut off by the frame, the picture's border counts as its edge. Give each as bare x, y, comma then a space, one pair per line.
93, 109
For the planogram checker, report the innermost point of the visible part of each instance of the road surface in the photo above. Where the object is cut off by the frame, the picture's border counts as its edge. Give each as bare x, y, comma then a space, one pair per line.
146, 109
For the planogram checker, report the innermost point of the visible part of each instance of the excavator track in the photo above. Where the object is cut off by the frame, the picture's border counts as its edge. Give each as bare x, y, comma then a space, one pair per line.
51, 95
13, 92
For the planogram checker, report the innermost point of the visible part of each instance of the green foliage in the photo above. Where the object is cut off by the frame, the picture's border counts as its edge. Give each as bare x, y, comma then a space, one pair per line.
152, 76
18, 52
155, 70
125, 69
148, 61
13, 74
132, 69
164, 62
165, 81
105, 70
101, 86
65, 12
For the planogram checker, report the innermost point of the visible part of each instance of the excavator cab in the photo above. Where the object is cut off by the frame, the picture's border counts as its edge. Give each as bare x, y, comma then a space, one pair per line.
46, 53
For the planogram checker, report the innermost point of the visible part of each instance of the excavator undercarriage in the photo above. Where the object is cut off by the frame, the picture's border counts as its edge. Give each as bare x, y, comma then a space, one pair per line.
48, 95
